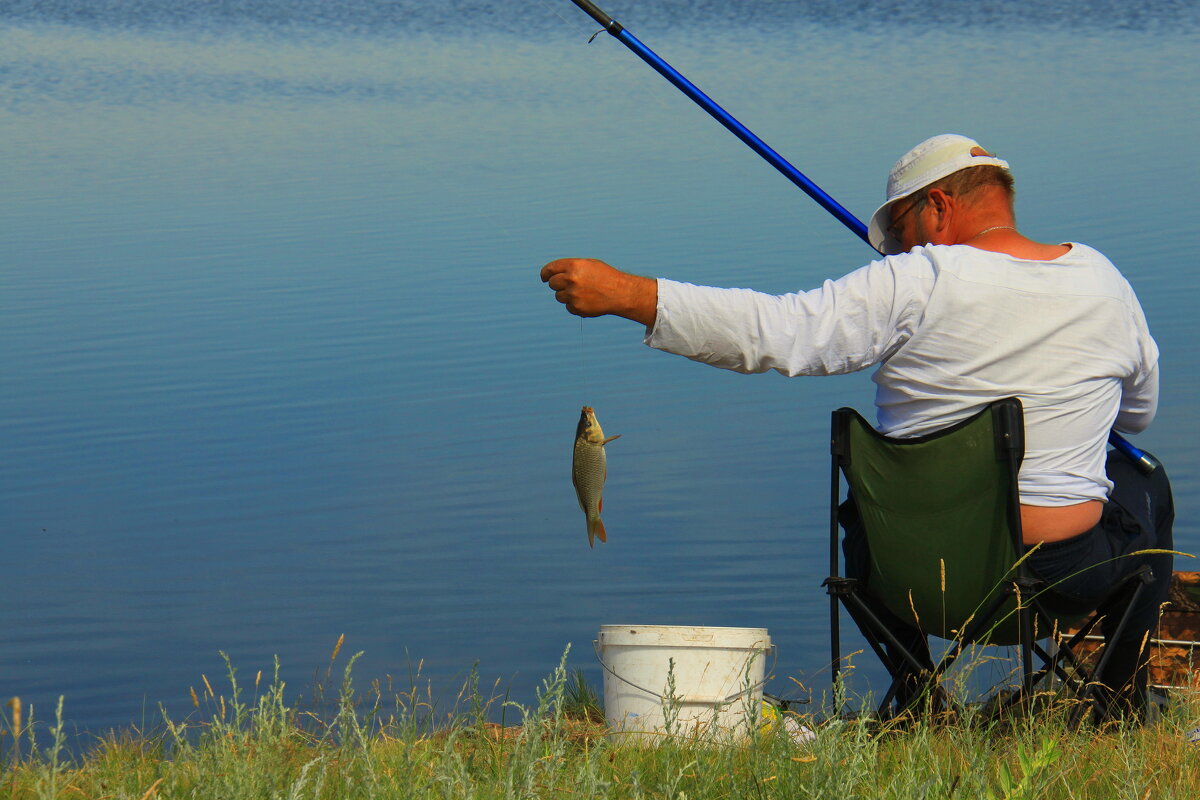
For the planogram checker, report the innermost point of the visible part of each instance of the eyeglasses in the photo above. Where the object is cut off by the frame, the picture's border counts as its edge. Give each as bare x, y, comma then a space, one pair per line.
893, 230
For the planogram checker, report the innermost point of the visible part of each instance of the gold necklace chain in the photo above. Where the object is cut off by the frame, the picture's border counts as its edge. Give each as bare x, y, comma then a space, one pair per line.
989, 230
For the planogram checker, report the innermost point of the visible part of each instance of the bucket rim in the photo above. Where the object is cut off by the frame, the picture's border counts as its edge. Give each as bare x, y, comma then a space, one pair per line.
705, 636
692, 627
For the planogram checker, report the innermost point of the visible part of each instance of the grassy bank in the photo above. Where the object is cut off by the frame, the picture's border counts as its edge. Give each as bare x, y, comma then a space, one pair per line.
246, 742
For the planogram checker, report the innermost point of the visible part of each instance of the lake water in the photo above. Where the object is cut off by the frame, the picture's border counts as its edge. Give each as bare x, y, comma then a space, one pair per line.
276, 366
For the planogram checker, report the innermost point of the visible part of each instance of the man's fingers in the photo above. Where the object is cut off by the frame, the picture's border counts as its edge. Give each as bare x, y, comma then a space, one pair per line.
556, 267
560, 275
562, 295
568, 299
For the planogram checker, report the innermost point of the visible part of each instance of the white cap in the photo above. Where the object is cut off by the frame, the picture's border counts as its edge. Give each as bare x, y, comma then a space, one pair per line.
931, 160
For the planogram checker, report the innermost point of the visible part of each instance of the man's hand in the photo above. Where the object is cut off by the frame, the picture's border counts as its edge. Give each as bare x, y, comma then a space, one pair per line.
591, 288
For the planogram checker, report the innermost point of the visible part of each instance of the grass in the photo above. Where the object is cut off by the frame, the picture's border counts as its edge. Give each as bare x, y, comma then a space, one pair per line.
247, 742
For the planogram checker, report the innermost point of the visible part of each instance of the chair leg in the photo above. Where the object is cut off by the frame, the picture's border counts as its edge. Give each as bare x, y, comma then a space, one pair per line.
1101, 694
1094, 690
971, 632
907, 667
1052, 664
857, 607
1116, 637
1026, 587
1080, 677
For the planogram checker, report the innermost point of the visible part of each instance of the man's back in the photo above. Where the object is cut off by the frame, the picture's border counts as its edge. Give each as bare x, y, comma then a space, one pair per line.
1067, 336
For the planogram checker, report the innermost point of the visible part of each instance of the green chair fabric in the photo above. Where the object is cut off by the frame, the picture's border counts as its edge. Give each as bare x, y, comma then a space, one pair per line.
942, 518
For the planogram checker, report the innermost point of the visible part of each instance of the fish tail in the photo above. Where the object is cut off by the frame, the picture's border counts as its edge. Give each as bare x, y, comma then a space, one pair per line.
596, 531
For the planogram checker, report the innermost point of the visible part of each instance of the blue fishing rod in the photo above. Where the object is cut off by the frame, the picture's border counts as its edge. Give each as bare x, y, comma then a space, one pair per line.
725, 118
1145, 462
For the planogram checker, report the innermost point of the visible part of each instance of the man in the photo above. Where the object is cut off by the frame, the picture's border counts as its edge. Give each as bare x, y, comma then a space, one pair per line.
962, 310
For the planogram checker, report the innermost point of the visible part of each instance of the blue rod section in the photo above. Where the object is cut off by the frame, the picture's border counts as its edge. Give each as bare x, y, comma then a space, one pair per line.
1145, 462
725, 118
742, 132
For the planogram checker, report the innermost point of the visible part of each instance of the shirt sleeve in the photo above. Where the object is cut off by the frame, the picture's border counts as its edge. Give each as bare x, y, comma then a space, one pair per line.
842, 326
1139, 391
1139, 403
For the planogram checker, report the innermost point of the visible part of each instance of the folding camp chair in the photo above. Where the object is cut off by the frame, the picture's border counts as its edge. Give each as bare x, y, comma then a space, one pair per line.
942, 520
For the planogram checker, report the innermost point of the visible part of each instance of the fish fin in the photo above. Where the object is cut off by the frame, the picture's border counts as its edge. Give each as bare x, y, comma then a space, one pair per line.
610, 438
591, 536
600, 534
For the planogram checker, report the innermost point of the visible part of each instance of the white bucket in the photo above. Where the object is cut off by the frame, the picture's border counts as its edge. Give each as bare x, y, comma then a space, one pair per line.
718, 677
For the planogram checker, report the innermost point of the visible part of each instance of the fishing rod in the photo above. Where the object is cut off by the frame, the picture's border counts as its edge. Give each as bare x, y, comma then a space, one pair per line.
1145, 462
725, 118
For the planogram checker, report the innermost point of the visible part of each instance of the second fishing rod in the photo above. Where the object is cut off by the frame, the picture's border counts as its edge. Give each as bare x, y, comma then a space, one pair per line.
1145, 462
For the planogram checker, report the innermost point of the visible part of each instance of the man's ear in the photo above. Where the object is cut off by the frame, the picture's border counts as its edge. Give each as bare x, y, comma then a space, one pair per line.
943, 205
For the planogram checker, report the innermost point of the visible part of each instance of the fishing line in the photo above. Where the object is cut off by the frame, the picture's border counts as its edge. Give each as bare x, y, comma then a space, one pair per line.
583, 354
574, 25
583, 363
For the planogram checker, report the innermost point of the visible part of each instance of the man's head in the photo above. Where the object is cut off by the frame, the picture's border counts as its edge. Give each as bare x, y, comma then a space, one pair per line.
955, 165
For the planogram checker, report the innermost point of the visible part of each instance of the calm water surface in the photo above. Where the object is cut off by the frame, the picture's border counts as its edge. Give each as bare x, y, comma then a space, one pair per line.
275, 364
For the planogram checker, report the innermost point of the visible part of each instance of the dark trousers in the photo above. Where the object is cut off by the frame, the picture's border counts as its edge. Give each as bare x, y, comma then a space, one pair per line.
1080, 572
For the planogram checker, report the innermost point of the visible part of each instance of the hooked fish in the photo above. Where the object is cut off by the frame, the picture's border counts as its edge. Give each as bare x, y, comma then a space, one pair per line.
589, 468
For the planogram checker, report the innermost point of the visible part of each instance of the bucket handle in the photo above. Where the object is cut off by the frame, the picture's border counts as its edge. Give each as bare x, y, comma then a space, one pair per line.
710, 701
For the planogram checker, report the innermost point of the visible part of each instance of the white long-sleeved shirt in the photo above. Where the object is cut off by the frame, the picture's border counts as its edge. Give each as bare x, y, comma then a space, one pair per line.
953, 328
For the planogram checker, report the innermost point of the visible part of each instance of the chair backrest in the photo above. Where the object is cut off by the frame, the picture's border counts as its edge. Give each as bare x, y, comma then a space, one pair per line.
941, 515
